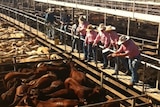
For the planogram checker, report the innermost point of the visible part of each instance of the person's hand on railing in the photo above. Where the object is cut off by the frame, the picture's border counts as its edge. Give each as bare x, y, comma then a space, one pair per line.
109, 56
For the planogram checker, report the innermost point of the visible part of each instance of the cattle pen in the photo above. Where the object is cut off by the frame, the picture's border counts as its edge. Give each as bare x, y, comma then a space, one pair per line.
141, 95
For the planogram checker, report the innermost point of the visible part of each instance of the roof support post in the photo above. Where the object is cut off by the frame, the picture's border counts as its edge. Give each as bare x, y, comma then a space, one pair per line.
158, 40
128, 26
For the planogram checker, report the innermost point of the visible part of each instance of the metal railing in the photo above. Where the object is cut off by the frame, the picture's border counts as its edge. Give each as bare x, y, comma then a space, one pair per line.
20, 15
27, 18
144, 7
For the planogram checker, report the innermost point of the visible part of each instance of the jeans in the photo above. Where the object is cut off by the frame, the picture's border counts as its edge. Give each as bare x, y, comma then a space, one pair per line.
124, 61
63, 27
74, 43
50, 31
105, 60
133, 67
91, 52
84, 48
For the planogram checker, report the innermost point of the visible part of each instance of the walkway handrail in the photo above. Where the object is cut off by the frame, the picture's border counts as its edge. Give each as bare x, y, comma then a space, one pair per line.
43, 22
116, 100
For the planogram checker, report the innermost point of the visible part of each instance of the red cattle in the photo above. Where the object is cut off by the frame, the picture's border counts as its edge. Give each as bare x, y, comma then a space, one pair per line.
62, 71
12, 75
43, 81
63, 93
79, 76
33, 102
82, 92
8, 96
55, 86
20, 92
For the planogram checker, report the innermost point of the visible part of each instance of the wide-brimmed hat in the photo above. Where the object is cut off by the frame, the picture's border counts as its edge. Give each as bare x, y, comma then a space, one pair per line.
122, 39
101, 27
49, 10
82, 18
109, 28
89, 27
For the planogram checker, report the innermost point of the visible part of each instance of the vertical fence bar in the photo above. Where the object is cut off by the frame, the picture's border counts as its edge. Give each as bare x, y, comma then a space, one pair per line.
14, 62
133, 102
101, 79
143, 87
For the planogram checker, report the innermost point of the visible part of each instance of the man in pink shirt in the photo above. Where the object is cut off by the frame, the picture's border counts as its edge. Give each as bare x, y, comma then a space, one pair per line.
89, 39
104, 38
129, 49
82, 32
113, 44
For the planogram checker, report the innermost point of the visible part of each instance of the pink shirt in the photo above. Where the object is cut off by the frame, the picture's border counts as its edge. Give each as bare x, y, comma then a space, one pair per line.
114, 38
130, 48
103, 37
82, 28
90, 37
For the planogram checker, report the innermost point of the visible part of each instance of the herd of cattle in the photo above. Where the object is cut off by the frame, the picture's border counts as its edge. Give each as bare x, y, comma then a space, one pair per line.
57, 83
51, 84
16, 43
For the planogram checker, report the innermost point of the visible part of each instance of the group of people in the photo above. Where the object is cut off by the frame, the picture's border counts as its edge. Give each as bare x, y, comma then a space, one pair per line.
89, 38
123, 46
51, 22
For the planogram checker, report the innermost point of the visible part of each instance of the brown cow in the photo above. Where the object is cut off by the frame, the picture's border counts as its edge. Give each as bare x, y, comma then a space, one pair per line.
43, 81
79, 76
8, 96
20, 92
55, 86
82, 92
12, 75
62, 71
33, 102
63, 93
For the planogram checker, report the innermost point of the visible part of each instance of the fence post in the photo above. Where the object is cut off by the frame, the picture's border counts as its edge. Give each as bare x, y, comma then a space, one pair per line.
143, 87
102, 79
133, 102
14, 62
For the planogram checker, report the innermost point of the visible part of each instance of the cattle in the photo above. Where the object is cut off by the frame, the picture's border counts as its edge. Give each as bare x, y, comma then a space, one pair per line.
8, 96
63, 93
20, 92
79, 76
62, 71
43, 81
33, 102
12, 75
55, 86
82, 92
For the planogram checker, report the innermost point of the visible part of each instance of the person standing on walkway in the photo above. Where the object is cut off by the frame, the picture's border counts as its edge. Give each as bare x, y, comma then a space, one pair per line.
74, 33
50, 22
104, 38
130, 50
64, 20
113, 44
89, 39
82, 33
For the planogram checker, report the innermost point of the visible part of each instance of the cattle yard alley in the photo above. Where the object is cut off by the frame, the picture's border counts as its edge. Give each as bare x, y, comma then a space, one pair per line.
37, 71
